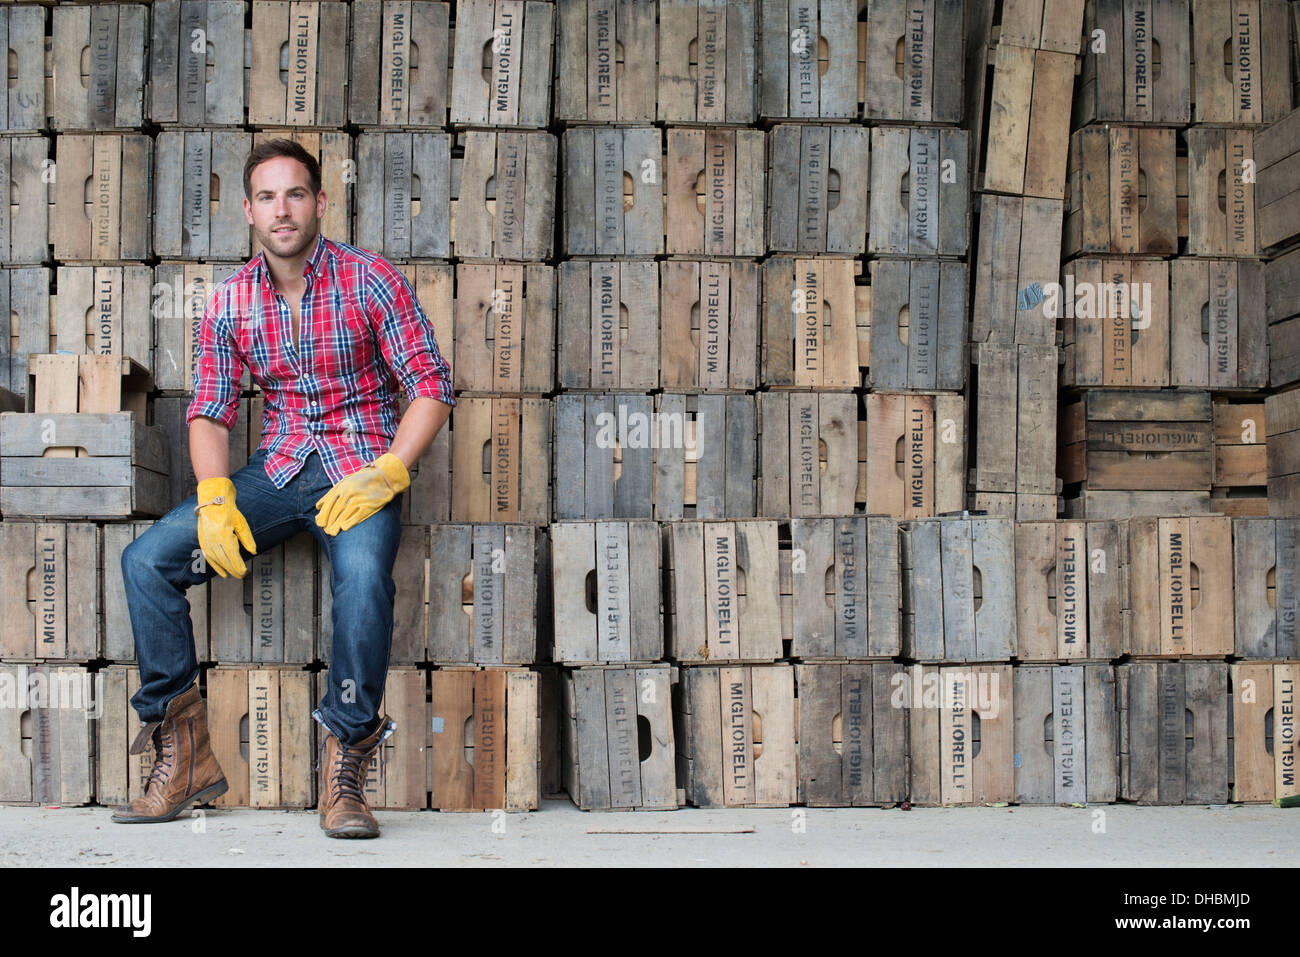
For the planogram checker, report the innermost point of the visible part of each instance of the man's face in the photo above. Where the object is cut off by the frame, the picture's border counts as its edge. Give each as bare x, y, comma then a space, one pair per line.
283, 212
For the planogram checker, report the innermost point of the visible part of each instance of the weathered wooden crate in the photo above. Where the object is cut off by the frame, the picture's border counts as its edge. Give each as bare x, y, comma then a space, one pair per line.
22, 34
50, 605
1015, 430
120, 777
1015, 253
263, 735
913, 454
811, 453
1266, 574
333, 150
852, 739
25, 324
1029, 119
920, 192
605, 68
722, 591
710, 471
1038, 24
504, 189
103, 310
604, 455
609, 315
815, 324
410, 605
488, 594
613, 716
1277, 199
181, 292
840, 593
87, 383
1240, 457
707, 61
403, 194
1282, 307
959, 589
24, 220
115, 171
123, 473
736, 738
501, 460
309, 42
504, 328
1115, 323
109, 38
613, 192
918, 324
1216, 159
791, 83
407, 84
484, 753
1262, 737
397, 776
1181, 587
818, 184
1283, 415
1173, 732
1111, 503
269, 615
517, 40
1072, 591
948, 708
1255, 88
1128, 440
1104, 211
119, 636
428, 500
49, 758
1217, 325
1067, 732
708, 325
197, 62
1122, 85
927, 85
714, 185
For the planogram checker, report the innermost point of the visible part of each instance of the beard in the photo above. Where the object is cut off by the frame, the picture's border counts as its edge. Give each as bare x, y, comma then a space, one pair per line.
289, 245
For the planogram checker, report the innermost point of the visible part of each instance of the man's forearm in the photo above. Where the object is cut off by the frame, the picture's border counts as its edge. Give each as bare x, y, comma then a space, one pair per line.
209, 448
415, 433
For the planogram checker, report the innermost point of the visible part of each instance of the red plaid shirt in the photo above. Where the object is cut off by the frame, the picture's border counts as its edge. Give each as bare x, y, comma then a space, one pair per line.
362, 333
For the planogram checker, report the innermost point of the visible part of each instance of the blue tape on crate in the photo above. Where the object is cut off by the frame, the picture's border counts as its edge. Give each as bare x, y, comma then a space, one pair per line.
1030, 296
437, 725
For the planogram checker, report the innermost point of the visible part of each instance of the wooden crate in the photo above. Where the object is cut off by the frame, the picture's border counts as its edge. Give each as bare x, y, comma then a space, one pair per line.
1263, 732
797, 433
1282, 306
1214, 227
852, 739
25, 324
604, 455
1256, 88
24, 220
605, 68
613, 716
1104, 212
397, 776
931, 216
815, 324
1181, 587
1165, 755
263, 736
913, 453
333, 150
501, 460
484, 754
120, 777
1093, 504
918, 325
407, 83
1072, 590
929, 86
50, 599
1240, 453
609, 315
115, 225
1283, 415
22, 30
1266, 573
110, 39
504, 206
1277, 200
840, 593
1029, 119
504, 328
707, 62
269, 615
1015, 253
714, 186
707, 616
1115, 323
613, 192
1067, 732
946, 707
791, 83
119, 636
708, 325
181, 293
104, 310
1015, 430
487, 587
391, 218
736, 736
1040, 24
1129, 440
1217, 325
123, 473
313, 89
959, 589
87, 383
1122, 85
183, 91
50, 758
710, 472
818, 183
522, 37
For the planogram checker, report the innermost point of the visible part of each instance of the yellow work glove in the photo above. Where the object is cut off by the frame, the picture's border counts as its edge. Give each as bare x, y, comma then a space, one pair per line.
222, 528
354, 498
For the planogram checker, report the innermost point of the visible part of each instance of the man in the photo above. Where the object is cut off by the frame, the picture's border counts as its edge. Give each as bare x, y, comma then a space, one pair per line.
328, 331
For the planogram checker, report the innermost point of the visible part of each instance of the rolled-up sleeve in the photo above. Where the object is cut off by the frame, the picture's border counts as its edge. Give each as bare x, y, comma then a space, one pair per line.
406, 335
217, 368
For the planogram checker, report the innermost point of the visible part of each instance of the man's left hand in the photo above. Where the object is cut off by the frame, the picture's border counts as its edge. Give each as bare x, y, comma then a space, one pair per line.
356, 497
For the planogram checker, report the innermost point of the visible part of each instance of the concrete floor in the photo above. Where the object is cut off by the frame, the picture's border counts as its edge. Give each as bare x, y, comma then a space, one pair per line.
561, 835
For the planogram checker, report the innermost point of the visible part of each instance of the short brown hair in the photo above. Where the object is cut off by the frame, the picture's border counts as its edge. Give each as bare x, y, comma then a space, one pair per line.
280, 147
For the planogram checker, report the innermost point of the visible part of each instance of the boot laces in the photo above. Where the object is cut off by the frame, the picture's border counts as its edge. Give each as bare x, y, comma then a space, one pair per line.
164, 742
348, 777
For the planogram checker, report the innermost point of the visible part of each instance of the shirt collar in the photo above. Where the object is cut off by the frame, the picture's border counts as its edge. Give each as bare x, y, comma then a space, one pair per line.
315, 263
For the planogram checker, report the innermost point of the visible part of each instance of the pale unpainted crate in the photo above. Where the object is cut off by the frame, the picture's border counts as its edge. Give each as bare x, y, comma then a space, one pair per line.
119, 635
1066, 734
411, 569
1266, 596
1220, 227
961, 734
1115, 323
736, 735
50, 597
605, 588
403, 194
590, 431
1240, 457
1015, 429
1029, 121
708, 61
180, 294
711, 471
489, 594
1113, 503
269, 615
104, 310
1018, 258
1262, 732
611, 717
920, 192
613, 189
517, 39
434, 285
714, 183
1103, 211
1026, 507
25, 323
927, 86
1037, 24
397, 774
816, 324
1277, 199
605, 67
912, 454
333, 150
1122, 85
87, 383
840, 588
503, 190
1072, 591
22, 31
110, 38
1255, 88
428, 500
1218, 325
198, 57
1181, 587
47, 739
120, 777
311, 41
501, 460
918, 323
791, 83
819, 182
25, 220
504, 328
811, 453
1283, 414
1282, 306
115, 170
485, 752
1173, 732
409, 82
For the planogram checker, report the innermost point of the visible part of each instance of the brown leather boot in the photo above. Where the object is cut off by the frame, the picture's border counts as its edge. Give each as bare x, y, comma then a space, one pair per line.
185, 771
343, 810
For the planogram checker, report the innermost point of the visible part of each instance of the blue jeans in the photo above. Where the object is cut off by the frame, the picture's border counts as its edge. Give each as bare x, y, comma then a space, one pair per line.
160, 565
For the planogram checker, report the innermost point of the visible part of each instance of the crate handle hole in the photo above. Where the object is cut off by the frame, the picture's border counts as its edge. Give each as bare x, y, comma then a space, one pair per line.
467, 594
1142, 190
832, 189
243, 738
1156, 61
1205, 323
1270, 587
1227, 59
644, 739
589, 591
1268, 730
1051, 589
828, 586
837, 733
1049, 736
629, 199
485, 69
975, 733
899, 56
695, 324
756, 731
821, 457
1223, 190
469, 740
1189, 727
977, 586
624, 324
904, 324
485, 463
899, 456
905, 191
284, 63
1195, 580
699, 192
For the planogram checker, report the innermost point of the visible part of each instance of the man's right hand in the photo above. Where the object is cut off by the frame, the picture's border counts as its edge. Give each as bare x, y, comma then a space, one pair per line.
222, 528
